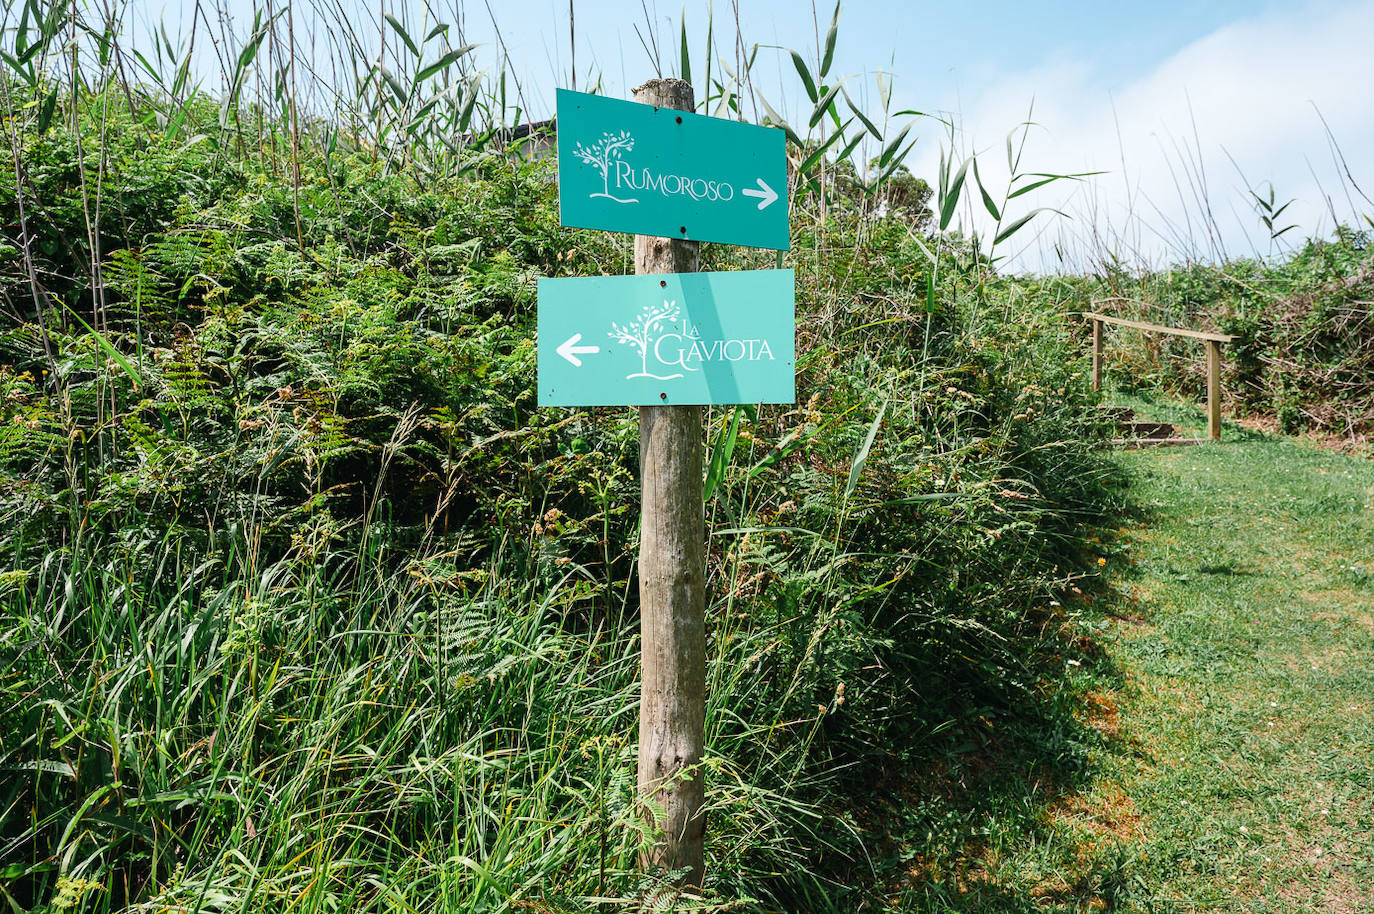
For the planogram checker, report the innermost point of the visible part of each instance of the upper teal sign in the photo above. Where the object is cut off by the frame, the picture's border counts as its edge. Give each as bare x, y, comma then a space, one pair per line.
626, 167
667, 339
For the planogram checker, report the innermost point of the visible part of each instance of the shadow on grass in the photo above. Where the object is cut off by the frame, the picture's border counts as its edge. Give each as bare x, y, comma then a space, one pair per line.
1001, 808
993, 817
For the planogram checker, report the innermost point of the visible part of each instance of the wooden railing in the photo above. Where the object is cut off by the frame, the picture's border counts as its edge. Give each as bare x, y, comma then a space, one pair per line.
1213, 341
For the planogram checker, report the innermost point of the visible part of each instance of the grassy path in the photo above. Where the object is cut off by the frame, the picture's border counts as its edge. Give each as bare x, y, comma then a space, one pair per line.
1244, 644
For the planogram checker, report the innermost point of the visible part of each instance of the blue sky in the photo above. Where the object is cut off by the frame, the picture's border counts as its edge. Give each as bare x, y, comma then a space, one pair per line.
933, 49
1206, 100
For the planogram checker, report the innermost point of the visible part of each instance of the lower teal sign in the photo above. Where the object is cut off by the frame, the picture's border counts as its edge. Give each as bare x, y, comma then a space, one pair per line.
668, 339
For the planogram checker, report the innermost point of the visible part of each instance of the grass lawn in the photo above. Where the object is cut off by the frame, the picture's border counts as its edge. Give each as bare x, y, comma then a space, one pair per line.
1245, 639
1228, 674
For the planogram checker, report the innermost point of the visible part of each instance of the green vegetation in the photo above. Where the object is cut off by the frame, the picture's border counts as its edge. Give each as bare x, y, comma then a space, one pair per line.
1304, 351
1225, 671
307, 606
1244, 632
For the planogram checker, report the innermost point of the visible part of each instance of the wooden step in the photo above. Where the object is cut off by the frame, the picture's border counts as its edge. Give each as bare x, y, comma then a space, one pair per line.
1132, 443
1148, 429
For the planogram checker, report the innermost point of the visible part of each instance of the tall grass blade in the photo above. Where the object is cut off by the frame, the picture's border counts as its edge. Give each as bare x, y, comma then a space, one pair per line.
988, 203
776, 120
404, 35
1016, 226
830, 37
892, 152
810, 161
863, 118
949, 198
684, 54
443, 63
856, 468
825, 104
805, 73
105, 346
721, 451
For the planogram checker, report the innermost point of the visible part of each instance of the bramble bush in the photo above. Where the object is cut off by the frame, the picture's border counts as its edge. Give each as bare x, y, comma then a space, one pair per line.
1304, 349
306, 605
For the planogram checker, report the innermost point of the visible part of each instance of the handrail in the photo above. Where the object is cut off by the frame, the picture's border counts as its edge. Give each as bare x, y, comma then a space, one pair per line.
1213, 340
1159, 328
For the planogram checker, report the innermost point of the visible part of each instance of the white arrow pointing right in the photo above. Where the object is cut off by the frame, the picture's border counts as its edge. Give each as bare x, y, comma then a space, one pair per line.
570, 350
766, 194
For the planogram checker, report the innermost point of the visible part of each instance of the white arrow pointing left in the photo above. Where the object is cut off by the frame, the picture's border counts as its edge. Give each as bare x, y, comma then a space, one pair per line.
570, 350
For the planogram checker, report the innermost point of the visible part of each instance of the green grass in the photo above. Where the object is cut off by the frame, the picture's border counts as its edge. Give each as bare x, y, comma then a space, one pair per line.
305, 606
1220, 737
308, 607
1252, 691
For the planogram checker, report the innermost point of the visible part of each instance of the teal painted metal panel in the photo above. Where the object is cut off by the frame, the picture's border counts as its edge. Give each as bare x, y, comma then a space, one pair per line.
627, 167
667, 339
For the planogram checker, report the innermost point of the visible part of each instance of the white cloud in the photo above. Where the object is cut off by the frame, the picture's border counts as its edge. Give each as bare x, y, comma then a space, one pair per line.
1247, 90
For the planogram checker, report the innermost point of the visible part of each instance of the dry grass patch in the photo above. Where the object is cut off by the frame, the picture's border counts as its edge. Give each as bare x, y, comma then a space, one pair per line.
1102, 712
1107, 812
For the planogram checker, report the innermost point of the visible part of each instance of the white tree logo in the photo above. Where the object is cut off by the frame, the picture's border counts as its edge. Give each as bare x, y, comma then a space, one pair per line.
601, 154
642, 331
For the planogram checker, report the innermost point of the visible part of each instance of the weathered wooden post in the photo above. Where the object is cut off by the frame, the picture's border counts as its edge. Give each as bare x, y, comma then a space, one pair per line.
672, 585
1097, 354
1214, 390
657, 170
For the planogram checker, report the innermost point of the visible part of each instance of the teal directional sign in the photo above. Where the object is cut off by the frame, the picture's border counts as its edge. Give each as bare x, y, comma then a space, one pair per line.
667, 339
627, 167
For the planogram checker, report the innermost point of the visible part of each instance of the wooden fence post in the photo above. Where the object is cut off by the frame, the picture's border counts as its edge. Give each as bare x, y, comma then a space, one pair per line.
672, 586
1097, 354
1214, 390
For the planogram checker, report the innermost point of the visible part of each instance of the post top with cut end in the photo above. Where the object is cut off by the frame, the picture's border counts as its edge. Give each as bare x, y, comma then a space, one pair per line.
666, 92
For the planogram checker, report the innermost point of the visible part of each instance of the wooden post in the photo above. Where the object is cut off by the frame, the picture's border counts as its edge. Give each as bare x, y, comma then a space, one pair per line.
1214, 390
1097, 354
672, 586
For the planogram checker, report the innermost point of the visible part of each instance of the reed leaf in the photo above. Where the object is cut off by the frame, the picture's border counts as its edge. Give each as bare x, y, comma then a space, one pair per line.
684, 53
443, 63
949, 197
1016, 225
863, 118
893, 151
988, 203
826, 103
831, 34
721, 451
807, 164
856, 467
805, 73
403, 34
